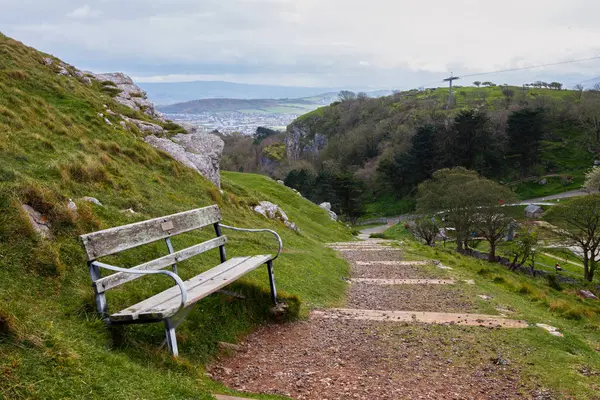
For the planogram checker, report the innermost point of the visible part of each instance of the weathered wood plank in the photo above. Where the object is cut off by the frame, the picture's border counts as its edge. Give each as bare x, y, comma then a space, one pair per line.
165, 304
114, 280
174, 292
114, 240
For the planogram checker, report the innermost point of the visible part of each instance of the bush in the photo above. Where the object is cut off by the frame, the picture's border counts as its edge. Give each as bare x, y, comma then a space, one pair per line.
553, 282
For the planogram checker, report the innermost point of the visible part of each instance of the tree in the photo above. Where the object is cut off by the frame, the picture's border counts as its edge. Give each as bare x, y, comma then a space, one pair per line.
555, 85
589, 118
592, 181
508, 95
525, 130
578, 92
346, 95
488, 83
470, 143
427, 229
459, 195
490, 219
477, 83
524, 248
350, 193
577, 223
407, 169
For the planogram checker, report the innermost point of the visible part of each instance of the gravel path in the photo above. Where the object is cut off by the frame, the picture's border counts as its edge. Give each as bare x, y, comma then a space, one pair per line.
327, 359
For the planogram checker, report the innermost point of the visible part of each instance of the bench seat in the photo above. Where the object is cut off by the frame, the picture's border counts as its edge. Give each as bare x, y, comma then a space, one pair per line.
165, 304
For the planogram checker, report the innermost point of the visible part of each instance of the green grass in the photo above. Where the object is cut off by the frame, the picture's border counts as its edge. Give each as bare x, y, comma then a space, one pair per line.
543, 360
555, 185
54, 147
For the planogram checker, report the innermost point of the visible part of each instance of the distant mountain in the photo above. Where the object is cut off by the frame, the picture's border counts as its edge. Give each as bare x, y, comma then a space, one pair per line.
176, 92
271, 106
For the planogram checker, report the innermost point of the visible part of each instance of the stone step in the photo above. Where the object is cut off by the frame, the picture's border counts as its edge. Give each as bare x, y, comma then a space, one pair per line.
375, 281
399, 263
439, 318
349, 249
224, 397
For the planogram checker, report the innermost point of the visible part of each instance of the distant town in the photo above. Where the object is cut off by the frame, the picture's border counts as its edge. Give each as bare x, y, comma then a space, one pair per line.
229, 122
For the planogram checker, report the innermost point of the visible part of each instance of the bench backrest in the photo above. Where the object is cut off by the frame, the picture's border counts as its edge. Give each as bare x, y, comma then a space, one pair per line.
114, 240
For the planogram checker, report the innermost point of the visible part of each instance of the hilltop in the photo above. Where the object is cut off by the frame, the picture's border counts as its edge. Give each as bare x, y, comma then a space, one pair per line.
66, 136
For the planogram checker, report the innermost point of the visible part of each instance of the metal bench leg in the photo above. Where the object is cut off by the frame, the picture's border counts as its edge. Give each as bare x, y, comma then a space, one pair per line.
272, 281
171, 338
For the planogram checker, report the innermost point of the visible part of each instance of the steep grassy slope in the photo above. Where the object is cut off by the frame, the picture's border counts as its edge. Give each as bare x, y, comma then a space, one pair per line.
54, 146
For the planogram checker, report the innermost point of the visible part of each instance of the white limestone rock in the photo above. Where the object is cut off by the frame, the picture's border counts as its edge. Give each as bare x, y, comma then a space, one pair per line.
91, 200
39, 222
327, 207
199, 151
274, 212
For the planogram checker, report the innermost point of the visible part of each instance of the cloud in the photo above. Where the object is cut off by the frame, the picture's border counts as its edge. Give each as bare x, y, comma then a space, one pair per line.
392, 43
84, 12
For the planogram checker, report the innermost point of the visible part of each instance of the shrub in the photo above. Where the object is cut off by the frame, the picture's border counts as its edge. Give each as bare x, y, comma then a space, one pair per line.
553, 282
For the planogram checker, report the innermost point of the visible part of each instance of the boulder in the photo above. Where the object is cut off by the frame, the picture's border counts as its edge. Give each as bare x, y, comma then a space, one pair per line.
274, 212
543, 181
91, 200
327, 207
281, 182
131, 95
39, 222
199, 151
586, 294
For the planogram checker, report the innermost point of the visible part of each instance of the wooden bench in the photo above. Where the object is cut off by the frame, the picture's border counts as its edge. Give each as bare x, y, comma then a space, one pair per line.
172, 305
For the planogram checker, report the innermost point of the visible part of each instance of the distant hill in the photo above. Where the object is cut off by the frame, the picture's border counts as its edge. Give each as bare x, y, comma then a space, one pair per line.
177, 92
271, 106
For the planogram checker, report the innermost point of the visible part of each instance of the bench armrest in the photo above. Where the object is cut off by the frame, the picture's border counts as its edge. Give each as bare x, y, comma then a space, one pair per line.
259, 230
173, 276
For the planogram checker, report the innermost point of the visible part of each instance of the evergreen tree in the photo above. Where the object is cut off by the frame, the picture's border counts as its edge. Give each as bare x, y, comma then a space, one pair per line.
525, 131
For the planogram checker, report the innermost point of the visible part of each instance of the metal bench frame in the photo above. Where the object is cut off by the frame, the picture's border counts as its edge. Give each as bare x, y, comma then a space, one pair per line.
114, 240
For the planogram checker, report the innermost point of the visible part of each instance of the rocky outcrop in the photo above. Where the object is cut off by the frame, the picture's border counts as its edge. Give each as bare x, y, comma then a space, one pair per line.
300, 142
130, 94
327, 207
274, 212
199, 151
144, 126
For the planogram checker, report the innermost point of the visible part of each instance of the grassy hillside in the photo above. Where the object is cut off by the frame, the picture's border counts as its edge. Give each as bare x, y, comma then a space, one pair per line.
393, 143
55, 147
567, 365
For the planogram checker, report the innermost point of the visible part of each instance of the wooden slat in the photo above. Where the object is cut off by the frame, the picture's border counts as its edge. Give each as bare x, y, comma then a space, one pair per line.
166, 303
120, 278
114, 240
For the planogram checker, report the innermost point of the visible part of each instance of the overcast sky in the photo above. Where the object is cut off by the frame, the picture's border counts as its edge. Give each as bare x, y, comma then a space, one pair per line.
377, 43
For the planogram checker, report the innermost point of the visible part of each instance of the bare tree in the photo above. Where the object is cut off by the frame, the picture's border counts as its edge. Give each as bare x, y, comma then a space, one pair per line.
427, 229
578, 92
577, 223
346, 95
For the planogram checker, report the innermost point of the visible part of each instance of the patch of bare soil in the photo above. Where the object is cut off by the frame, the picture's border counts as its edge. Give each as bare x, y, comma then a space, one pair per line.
328, 359
444, 298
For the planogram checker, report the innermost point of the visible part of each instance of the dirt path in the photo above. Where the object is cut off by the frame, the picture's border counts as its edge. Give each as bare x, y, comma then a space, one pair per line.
391, 342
